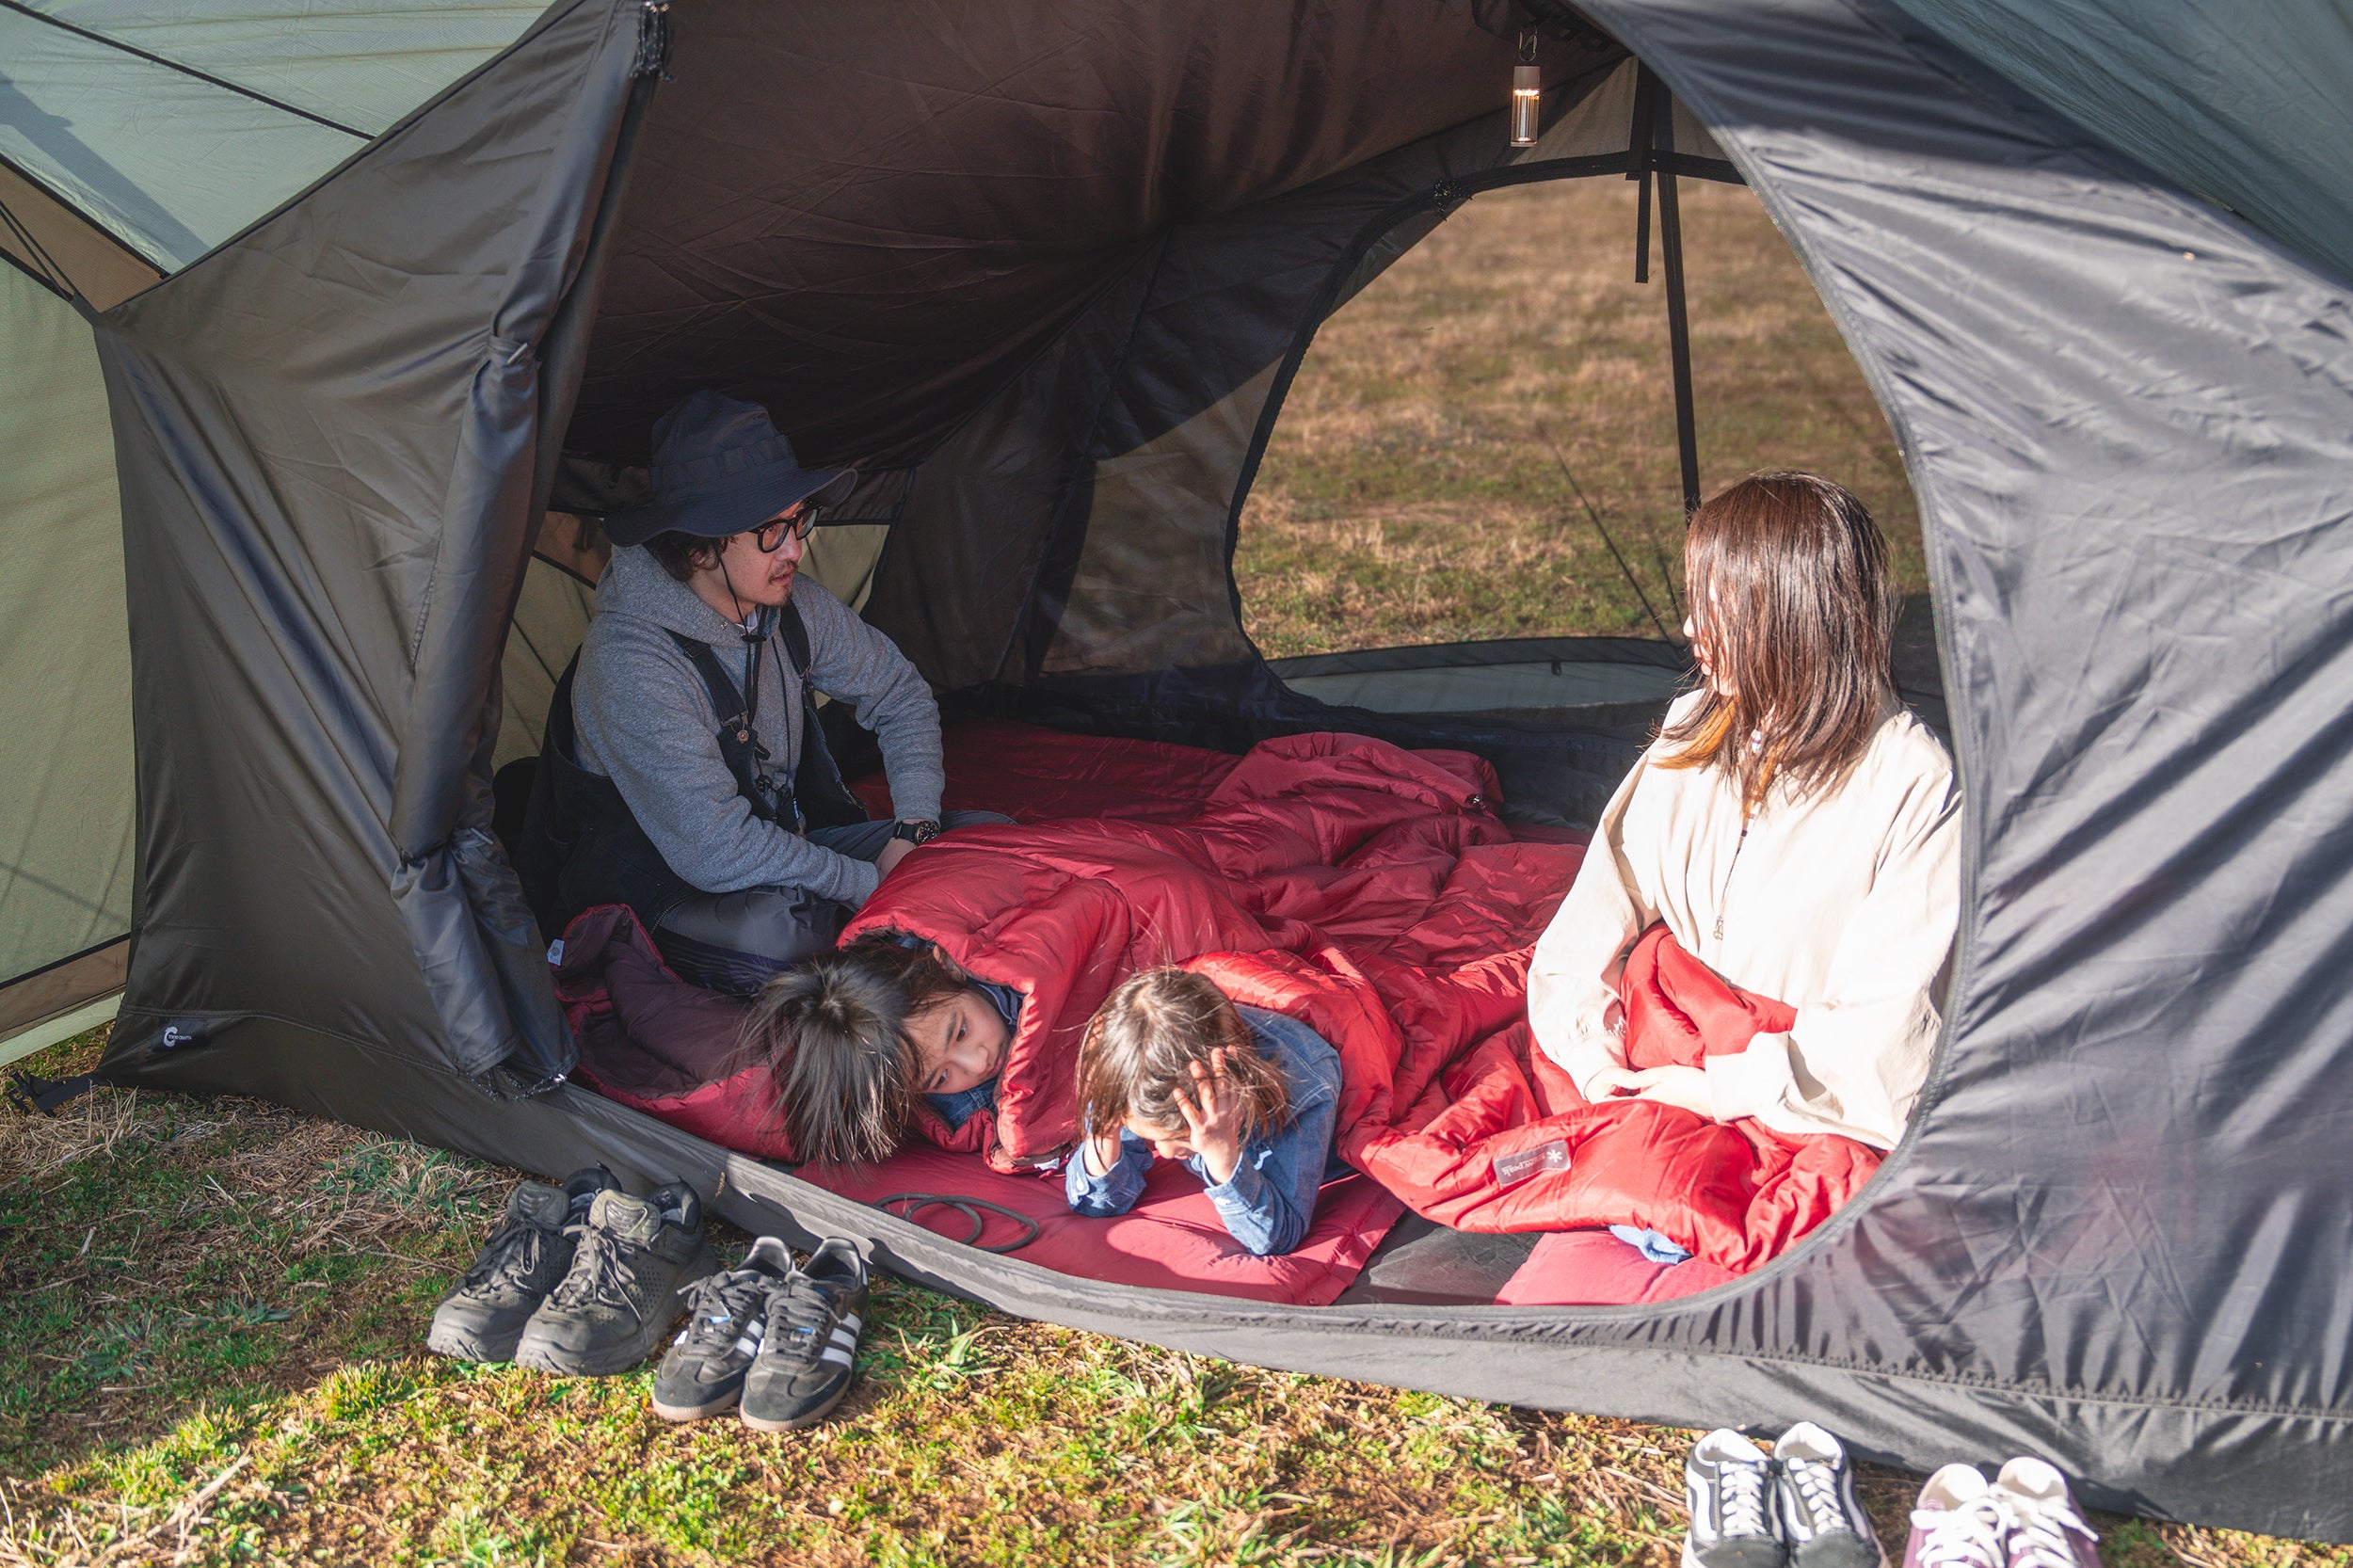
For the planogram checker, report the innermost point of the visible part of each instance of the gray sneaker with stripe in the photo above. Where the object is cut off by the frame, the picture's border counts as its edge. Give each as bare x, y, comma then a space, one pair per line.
810, 1341
727, 1317
1814, 1503
1728, 1482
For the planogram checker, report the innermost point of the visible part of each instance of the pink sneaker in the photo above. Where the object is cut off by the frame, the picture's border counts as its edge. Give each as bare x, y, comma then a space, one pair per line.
1958, 1523
2046, 1528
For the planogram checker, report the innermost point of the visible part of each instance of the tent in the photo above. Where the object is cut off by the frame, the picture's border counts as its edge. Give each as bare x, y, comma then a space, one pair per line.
374, 300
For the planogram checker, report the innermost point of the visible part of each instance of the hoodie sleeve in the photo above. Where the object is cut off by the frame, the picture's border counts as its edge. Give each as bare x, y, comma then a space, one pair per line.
851, 662
641, 713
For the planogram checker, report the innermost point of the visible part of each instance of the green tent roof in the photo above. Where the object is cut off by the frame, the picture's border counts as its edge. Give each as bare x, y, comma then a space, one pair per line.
174, 127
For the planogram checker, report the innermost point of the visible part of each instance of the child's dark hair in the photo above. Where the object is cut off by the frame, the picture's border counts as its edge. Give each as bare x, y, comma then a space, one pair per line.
1140, 1048
833, 1030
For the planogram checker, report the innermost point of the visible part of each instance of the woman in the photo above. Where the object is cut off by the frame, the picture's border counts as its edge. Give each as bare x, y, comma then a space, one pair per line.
1794, 827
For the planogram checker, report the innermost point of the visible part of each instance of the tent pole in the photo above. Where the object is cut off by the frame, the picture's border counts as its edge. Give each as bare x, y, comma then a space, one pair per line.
1638, 166
1678, 315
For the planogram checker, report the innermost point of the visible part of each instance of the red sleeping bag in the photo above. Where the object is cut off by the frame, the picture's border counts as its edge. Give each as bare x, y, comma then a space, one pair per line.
1370, 892
1367, 890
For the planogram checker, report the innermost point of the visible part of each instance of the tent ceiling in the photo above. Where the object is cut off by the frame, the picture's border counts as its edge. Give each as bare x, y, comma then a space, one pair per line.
943, 187
2250, 103
174, 155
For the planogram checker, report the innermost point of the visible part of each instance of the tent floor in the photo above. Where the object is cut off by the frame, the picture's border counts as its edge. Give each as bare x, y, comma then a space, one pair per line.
1423, 1263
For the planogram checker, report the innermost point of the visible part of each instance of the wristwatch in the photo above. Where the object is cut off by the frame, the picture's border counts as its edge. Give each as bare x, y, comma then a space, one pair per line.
919, 832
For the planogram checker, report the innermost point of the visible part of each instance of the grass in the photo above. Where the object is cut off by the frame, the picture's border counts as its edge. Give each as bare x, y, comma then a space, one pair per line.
211, 1313
1415, 489
211, 1353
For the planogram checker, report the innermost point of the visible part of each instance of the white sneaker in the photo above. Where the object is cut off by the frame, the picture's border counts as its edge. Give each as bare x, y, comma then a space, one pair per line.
1728, 1481
1958, 1523
2046, 1528
1814, 1503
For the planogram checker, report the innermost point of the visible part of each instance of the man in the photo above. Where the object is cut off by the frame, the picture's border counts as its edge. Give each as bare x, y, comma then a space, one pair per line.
685, 773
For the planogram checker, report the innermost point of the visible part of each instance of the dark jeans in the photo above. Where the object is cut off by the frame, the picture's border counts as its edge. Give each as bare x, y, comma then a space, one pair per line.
734, 941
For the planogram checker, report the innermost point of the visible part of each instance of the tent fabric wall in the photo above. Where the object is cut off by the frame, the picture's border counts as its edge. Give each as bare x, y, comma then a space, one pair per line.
1111, 469
550, 617
64, 705
2247, 103
333, 440
2131, 433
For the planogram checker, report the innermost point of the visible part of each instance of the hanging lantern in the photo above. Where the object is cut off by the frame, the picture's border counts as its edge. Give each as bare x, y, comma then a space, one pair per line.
1528, 93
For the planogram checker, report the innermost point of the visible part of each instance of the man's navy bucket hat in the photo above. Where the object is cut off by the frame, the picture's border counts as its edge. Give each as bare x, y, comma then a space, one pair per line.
721, 467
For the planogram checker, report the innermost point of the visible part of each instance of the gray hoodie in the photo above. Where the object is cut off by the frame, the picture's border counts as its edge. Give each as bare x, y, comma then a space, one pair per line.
644, 720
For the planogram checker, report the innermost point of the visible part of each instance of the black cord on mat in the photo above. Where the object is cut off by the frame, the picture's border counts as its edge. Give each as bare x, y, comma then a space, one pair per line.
970, 1209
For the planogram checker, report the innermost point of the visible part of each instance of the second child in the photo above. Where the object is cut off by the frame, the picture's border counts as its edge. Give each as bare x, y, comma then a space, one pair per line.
1173, 1070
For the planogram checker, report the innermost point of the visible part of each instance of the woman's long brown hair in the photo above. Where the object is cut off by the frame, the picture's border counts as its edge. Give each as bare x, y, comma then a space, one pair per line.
1787, 577
1138, 1051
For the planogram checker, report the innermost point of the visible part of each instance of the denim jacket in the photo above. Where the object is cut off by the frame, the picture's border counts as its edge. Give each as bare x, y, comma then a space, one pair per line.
1270, 1201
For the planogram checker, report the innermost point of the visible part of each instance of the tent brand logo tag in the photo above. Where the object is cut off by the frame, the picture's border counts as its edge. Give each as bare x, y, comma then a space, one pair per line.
181, 1033
556, 952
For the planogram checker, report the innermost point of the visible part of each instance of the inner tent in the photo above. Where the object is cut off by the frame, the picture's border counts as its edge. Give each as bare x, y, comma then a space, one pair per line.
1107, 604
1057, 416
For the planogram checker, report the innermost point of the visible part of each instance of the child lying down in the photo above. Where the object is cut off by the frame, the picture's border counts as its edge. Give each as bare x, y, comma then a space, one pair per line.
1173, 1070
1247, 1098
865, 1029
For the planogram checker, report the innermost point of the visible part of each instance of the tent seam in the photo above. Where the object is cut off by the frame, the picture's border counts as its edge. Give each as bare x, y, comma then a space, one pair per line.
222, 82
546, 20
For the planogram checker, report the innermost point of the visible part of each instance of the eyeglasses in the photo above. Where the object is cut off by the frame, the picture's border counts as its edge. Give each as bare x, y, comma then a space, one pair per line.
769, 535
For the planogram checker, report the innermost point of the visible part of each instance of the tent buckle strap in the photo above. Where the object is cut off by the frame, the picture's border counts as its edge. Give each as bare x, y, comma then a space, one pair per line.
970, 1209
37, 1096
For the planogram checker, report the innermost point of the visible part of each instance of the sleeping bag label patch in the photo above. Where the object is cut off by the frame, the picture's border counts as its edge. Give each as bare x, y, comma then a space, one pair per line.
1513, 1169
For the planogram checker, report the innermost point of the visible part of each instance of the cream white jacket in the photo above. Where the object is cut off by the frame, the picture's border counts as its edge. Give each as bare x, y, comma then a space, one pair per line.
1842, 905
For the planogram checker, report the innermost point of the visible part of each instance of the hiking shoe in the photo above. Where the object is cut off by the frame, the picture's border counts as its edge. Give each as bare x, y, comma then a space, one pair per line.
813, 1324
1958, 1523
483, 1314
2046, 1528
1815, 1505
1729, 1482
727, 1317
622, 1294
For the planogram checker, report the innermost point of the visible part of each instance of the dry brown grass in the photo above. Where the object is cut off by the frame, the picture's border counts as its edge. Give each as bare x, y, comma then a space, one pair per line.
1411, 492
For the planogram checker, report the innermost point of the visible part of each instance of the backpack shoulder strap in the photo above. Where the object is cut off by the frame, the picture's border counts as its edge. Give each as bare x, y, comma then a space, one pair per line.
795, 639
726, 700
